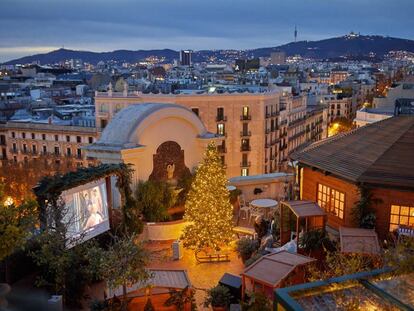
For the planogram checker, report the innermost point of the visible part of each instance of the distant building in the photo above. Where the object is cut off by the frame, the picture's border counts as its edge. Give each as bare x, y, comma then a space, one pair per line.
367, 116
186, 57
278, 58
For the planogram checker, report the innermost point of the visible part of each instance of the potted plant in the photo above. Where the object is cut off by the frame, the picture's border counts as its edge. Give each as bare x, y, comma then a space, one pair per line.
245, 247
218, 298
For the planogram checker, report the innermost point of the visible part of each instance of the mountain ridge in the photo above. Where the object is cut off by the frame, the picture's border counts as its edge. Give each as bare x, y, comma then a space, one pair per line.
348, 45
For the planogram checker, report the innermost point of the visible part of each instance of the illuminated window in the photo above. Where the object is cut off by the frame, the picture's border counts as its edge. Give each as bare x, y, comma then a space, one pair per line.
331, 200
245, 172
220, 129
401, 216
245, 112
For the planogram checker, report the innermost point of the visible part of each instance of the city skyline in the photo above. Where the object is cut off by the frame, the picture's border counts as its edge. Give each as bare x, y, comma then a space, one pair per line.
28, 28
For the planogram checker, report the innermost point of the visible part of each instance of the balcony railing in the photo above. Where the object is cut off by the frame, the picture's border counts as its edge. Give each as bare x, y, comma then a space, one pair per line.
245, 134
221, 118
245, 164
245, 117
245, 148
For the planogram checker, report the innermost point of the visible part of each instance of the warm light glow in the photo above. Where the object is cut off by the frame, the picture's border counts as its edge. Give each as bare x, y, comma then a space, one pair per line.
9, 201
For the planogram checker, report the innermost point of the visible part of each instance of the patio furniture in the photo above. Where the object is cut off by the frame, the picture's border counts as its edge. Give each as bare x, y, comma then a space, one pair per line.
231, 188
244, 208
216, 257
266, 205
254, 213
405, 231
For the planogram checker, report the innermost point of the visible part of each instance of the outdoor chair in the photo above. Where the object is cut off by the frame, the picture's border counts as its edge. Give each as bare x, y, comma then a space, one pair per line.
254, 213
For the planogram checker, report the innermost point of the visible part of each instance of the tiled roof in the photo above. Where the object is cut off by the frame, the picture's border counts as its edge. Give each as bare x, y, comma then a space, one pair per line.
381, 153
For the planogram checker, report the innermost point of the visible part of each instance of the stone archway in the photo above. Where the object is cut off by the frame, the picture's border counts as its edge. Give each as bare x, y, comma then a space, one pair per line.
168, 163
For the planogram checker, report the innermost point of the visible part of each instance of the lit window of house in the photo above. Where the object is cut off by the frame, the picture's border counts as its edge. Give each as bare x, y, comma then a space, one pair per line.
331, 200
401, 216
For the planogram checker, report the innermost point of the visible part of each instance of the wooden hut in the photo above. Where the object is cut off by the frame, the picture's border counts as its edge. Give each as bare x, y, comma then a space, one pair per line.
273, 271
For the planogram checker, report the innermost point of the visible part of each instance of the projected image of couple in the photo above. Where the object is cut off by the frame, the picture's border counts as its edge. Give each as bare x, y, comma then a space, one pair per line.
91, 200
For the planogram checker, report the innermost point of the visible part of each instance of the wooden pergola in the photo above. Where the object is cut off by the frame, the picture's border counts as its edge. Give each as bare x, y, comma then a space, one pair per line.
296, 216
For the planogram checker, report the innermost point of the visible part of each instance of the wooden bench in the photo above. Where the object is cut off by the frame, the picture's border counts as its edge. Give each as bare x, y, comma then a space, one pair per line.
208, 258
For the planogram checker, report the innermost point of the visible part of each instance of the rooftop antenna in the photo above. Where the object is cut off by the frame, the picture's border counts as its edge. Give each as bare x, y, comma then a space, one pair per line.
296, 33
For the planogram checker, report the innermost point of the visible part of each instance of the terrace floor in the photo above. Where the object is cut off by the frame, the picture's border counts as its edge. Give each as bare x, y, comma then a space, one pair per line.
202, 276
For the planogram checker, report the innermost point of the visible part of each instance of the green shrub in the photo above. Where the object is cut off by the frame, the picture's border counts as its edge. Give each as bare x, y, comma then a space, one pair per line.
153, 199
218, 296
245, 247
313, 240
257, 302
252, 259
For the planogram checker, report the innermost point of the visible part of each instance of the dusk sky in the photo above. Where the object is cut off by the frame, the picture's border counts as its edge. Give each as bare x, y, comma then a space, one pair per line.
36, 26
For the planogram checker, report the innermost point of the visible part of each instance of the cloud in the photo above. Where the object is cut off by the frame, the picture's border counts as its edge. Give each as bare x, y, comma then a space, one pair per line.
103, 25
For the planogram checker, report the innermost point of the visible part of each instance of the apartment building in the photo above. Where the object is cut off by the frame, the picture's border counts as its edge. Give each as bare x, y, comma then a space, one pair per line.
23, 141
338, 106
260, 129
248, 121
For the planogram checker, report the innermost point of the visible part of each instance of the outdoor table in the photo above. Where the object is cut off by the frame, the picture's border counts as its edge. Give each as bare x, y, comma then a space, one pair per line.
264, 204
231, 188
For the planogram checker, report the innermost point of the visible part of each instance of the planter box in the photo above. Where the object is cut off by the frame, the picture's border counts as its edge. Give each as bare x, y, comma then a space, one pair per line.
163, 231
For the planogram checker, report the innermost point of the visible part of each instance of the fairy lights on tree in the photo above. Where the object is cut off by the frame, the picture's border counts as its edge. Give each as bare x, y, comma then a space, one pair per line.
207, 208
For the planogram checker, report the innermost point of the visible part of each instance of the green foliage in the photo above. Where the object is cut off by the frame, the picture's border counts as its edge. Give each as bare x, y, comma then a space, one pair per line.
363, 213
208, 209
16, 225
153, 200
67, 271
257, 302
245, 247
252, 259
184, 183
124, 262
401, 256
338, 264
218, 296
179, 298
313, 240
149, 306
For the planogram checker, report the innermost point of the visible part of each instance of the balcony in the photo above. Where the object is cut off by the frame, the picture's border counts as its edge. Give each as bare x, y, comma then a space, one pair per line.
245, 148
245, 134
13, 150
245, 164
268, 115
221, 118
267, 131
274, 114
245, 117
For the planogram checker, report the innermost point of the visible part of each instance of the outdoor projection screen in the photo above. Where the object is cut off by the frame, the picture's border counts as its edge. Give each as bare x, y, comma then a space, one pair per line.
86, 211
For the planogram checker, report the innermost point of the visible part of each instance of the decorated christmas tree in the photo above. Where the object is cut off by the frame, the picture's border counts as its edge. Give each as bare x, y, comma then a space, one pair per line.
207, 208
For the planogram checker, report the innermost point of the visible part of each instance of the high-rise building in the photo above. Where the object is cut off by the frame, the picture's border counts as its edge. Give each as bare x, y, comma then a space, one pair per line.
185, 57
